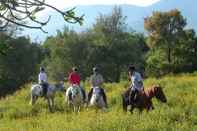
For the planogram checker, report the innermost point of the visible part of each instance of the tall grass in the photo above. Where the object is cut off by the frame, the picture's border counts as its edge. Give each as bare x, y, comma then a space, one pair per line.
179, 114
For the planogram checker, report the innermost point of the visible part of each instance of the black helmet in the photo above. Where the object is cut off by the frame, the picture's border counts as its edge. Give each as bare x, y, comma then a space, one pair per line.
42, 69
74, 69
131, 68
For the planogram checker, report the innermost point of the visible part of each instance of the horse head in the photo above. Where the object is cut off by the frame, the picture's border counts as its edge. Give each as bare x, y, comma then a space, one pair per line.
159, 94
96, 95
75, 91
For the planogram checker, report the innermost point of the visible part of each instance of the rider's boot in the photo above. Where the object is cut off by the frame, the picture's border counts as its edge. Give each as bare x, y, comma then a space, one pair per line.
84, 94
70, 97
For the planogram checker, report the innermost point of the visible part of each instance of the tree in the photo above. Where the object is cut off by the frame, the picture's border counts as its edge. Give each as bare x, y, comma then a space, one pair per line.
19, 65
15, 13
165, 28
66, 50
107, 45
19, 11
173, 48
185, 53
119, 47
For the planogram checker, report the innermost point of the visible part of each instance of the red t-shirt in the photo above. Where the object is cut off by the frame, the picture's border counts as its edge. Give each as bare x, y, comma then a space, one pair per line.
74, 78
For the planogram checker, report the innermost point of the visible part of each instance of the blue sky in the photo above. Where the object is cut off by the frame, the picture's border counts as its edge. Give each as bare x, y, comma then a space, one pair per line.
135, 10
52, 26
64, 3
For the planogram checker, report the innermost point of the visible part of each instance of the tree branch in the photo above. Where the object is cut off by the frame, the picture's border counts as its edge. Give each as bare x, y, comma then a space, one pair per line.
21, 10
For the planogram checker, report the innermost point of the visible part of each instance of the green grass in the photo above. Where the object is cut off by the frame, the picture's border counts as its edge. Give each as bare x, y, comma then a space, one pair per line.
179, 114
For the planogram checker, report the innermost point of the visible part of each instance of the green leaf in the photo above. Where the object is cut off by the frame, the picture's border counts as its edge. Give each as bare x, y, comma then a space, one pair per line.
33, 17
38, 9
66, 18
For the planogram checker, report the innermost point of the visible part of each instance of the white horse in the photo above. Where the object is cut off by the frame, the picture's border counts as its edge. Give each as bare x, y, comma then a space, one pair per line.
37, 91
97, 99
75, 99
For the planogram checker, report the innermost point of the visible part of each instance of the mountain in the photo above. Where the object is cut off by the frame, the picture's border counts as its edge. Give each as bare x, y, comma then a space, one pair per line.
135, 16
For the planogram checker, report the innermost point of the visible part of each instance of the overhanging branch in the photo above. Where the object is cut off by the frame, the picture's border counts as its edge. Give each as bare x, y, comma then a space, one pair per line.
19, 11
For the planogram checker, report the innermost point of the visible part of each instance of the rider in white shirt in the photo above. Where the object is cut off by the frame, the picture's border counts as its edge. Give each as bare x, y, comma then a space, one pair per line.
42, 79
136, 83
96, 81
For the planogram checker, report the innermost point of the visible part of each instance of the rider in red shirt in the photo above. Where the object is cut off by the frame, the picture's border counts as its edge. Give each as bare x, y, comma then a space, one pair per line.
74, 77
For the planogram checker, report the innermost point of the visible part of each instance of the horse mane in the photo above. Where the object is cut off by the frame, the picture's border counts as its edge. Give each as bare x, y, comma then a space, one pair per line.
150, 92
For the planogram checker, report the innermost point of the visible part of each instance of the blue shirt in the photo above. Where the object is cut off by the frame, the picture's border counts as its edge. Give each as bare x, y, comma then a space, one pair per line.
136, 81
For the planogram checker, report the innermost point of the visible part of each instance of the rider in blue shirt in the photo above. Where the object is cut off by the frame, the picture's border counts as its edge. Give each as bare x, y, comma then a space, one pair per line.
136, 83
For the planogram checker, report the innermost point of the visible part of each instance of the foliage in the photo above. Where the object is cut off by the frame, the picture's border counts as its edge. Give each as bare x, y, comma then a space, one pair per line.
19, 64
107, 45
178, 114
168, 37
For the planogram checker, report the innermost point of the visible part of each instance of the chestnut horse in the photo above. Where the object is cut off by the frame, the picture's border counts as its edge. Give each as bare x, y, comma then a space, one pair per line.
144, 98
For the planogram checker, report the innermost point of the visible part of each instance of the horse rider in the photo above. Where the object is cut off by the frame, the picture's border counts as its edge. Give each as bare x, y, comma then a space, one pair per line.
42, 79
74, 80
136, 83
96, 80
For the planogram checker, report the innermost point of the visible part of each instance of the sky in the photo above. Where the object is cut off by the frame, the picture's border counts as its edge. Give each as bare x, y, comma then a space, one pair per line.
66, 4
69, 3
62, 4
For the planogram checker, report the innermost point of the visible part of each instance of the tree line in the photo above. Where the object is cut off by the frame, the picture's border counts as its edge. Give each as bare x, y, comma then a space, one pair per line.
168, 47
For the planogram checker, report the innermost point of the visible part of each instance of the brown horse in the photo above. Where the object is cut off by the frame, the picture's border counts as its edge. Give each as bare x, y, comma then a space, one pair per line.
144, 98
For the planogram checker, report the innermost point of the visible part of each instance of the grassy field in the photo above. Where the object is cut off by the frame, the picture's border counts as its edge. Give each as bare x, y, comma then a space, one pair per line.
179, 114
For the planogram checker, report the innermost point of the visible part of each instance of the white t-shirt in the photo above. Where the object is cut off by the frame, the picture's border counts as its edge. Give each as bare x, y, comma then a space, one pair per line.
42, 77
136, 80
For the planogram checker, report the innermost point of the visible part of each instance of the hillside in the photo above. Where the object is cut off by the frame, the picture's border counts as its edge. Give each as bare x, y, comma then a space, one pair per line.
135, 16
180, 112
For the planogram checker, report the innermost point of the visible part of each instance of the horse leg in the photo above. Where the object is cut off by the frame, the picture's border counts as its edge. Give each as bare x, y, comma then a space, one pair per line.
33, 100
140, 110
75, 109
79, 107
152, 107
52, 103
149, 106
124, 104
49, 105
131, 110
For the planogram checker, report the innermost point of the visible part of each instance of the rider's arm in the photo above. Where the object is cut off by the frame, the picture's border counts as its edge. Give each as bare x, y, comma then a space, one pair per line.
101, 79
